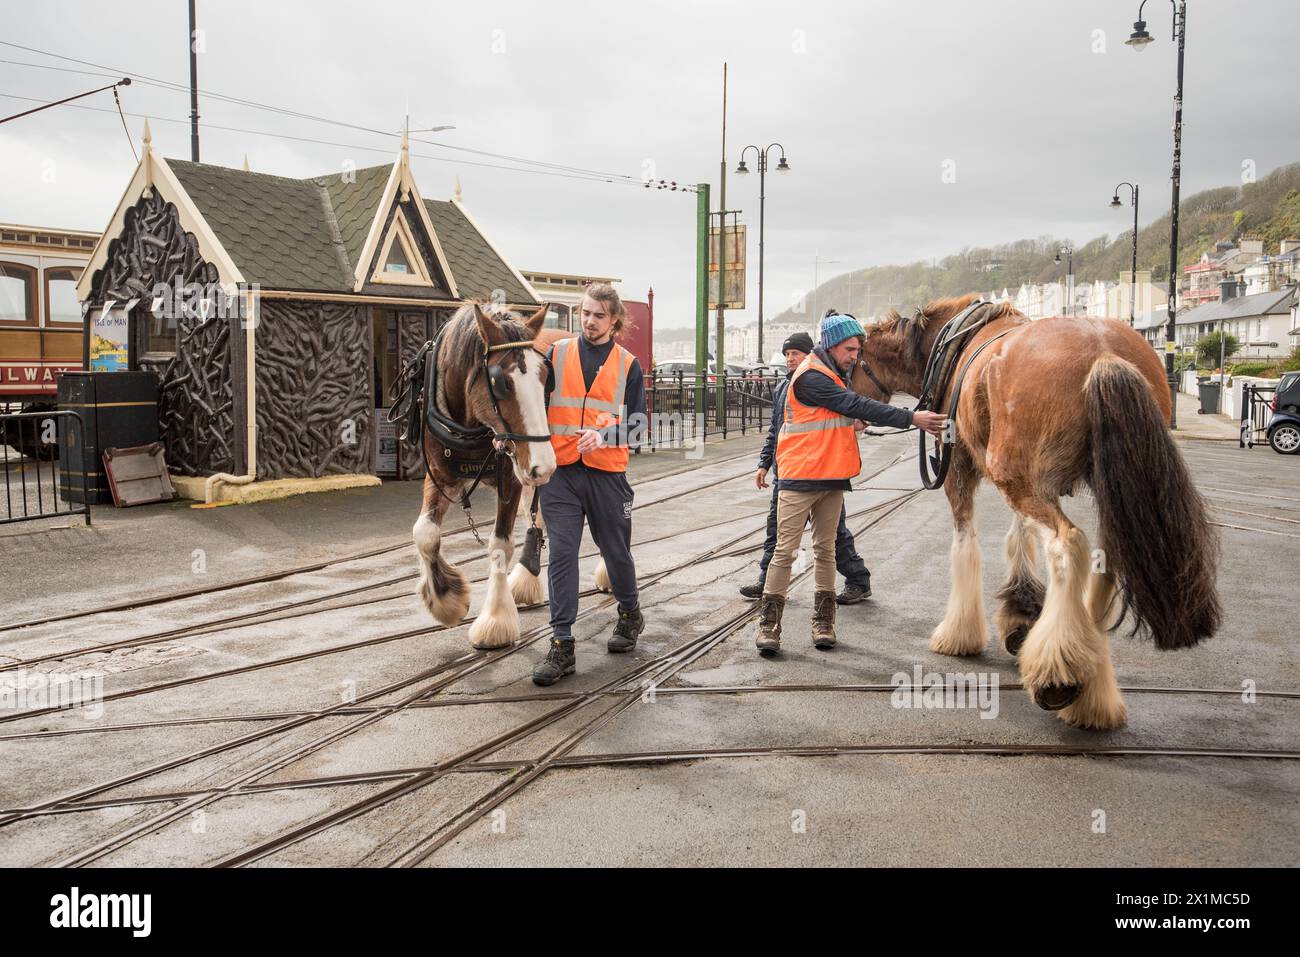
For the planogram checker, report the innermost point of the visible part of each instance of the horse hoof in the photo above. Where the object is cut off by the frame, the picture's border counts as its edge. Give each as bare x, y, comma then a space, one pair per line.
1056, 697
1015, 639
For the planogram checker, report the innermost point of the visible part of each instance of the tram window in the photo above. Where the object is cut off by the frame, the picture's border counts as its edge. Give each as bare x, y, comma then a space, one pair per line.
61, 295
17, 302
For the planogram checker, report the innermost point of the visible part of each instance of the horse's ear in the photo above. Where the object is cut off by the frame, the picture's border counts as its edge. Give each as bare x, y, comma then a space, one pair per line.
488, 330
534, 322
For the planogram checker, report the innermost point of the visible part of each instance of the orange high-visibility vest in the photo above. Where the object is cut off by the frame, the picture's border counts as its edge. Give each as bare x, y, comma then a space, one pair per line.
815, 442
574, 407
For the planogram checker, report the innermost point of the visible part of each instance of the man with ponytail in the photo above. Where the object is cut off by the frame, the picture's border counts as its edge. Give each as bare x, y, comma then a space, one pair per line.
597, 399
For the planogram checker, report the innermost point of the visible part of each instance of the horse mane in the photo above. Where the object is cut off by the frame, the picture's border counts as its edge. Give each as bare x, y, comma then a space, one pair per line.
906, 335
462, 347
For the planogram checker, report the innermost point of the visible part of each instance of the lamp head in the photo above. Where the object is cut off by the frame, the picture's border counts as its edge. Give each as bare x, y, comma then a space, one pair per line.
1139, 38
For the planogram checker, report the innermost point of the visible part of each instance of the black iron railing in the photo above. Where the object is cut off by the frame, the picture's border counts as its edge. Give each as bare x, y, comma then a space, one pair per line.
1256, 410
684, 409
29, 454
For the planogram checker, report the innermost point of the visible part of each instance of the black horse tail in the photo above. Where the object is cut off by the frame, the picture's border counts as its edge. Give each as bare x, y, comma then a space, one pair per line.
1154, 531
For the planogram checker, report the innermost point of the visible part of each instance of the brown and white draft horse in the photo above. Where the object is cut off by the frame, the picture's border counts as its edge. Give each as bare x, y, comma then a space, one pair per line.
1053, 405
474, 352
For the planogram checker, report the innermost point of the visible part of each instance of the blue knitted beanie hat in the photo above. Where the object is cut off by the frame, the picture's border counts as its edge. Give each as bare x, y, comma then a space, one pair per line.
837, 328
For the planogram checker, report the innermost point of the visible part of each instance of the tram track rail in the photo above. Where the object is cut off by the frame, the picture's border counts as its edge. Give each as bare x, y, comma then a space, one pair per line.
674, 659
560, 756
719, 690
260, 617
471, 662
280, 574
475, 701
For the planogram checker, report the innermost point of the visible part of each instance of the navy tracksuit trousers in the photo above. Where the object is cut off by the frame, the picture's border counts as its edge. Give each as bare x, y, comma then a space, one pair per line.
604, 499
847, 560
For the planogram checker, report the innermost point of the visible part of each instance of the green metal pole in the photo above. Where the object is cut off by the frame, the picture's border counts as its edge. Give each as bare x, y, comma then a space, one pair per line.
701, 293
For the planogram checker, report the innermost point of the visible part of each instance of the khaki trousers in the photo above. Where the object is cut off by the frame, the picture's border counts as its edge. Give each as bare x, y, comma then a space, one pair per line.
792, 510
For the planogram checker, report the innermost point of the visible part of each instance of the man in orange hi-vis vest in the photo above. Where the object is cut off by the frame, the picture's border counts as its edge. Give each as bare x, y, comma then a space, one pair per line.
816, 459
595, 411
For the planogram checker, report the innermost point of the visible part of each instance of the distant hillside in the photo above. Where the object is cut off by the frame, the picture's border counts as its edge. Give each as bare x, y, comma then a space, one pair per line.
1269, 209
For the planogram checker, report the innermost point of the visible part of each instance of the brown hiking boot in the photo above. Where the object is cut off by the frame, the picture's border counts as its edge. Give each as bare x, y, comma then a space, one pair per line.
770, 608
823, 622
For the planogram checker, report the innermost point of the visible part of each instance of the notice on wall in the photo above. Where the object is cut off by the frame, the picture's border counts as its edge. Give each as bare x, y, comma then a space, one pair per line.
385, 444
108, 340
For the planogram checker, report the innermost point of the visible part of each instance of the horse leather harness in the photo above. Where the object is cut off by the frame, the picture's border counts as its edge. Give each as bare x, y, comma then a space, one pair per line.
480, 447
939, 368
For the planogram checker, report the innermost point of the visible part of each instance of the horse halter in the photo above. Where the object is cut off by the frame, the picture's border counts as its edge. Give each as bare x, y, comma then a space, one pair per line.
499, 387
862, 364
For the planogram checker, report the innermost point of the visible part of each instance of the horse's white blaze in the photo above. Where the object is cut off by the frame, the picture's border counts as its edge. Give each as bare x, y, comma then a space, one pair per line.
963, 630
1065, 646
497, 624
530, 392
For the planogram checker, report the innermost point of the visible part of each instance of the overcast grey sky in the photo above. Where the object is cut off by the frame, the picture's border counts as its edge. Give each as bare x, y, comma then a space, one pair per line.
1039, 106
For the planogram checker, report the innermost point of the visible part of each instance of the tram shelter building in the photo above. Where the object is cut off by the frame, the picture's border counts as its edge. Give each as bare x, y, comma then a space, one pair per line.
278, 312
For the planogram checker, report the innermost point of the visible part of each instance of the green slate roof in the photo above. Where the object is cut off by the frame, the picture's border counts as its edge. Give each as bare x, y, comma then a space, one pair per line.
479, 271
354, 204
275, 229
307, 234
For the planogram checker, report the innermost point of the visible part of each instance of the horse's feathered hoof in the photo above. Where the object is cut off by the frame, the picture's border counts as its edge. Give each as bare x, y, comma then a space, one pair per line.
1056, 697
1015, 638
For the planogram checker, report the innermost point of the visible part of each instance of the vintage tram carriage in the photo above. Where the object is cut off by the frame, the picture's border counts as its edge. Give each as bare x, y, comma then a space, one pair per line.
41, 328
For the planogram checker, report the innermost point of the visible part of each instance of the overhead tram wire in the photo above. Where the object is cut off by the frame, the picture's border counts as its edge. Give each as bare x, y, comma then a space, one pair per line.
253, 104
45, 105
349, 146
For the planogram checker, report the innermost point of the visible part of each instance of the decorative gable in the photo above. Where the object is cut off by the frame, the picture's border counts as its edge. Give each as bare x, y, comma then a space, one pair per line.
400, 260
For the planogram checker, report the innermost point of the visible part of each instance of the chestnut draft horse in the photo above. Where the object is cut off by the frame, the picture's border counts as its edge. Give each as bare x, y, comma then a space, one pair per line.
485, 391
1051, 405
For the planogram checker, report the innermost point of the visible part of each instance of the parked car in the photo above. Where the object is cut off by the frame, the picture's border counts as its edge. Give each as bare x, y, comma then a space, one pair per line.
1284, 426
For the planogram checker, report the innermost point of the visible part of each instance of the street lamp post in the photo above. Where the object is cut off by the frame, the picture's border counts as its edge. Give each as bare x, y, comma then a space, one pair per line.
1133, 273
1138, 40
1068, 249
781, 167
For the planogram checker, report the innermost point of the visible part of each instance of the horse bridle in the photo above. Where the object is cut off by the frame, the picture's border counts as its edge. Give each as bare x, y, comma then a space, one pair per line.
418, 400
862, 364
498, 388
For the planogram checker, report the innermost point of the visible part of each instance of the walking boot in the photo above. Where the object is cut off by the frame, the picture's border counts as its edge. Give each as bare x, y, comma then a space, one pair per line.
630, 625
853, 594
823, 622
752, 591
559, 661
768, 641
